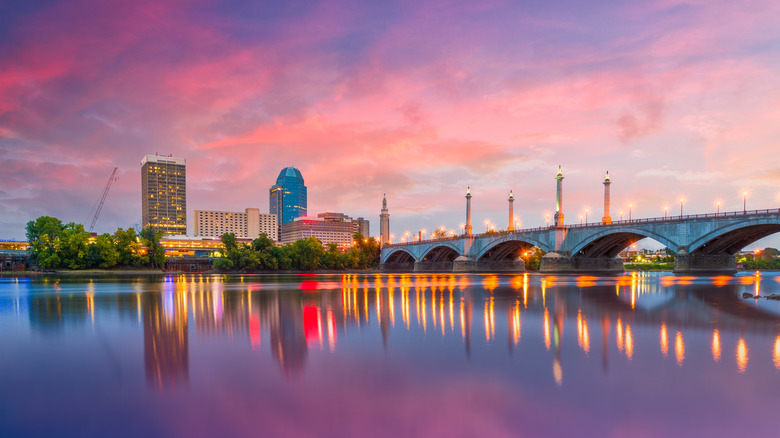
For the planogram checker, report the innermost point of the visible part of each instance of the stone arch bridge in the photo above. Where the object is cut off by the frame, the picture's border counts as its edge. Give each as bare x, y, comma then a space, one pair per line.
704, 243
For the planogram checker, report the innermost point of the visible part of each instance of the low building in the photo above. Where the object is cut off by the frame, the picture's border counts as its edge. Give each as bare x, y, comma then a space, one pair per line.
250, 224
327, 227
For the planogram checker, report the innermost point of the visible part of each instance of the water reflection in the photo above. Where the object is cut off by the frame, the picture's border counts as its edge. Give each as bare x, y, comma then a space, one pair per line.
295, 314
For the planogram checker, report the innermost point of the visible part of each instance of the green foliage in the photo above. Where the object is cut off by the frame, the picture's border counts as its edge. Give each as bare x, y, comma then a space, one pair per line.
128, 246
223, 263
44, 235
155, 252
102, 253
532, 258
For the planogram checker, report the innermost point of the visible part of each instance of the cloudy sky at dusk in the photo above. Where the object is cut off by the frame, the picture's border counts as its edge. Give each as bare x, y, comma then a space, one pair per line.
416, 99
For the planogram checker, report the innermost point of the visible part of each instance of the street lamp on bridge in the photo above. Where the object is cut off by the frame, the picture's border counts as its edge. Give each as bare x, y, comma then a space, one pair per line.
621, 215
666, 211
629, 211
744, 202
681, 205
586, 216
718, 204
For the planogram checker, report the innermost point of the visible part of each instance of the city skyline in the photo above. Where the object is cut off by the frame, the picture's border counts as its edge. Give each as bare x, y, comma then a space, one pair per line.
672, 100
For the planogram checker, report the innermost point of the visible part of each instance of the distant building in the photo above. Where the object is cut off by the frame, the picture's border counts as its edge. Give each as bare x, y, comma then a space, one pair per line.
249, 224
361, 226
164, 194
288, 196
327, 227
384, 223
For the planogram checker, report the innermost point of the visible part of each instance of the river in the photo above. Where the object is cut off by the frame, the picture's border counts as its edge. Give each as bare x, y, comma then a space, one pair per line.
388, 355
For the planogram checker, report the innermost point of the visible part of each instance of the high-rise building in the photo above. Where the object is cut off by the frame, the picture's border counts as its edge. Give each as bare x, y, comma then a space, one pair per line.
164, 193
361, 226
249, 224
288, 196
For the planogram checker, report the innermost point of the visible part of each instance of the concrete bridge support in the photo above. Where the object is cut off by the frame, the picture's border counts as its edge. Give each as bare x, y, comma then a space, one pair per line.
397, 267
704, 264
469, 264
554, 262
429, 266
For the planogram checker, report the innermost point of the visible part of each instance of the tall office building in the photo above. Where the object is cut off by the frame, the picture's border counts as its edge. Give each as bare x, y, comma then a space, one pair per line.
288, 196
164, 193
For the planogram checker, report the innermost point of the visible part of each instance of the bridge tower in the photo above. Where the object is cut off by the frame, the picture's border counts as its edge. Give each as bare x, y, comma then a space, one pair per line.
559, 199
606, 220
384, 222
511, 200
468, 211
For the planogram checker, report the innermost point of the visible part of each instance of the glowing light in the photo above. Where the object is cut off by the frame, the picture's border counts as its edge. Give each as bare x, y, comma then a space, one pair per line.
619, 335
546, 329
629, 343
664, 341
742, 355
776, 355
679, 348
715, 345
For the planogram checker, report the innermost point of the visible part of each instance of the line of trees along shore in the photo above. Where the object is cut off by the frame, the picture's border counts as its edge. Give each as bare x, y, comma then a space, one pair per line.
304, 255
58, 245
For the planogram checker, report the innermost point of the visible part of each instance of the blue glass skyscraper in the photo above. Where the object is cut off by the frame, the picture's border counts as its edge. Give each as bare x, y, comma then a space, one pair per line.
288, 196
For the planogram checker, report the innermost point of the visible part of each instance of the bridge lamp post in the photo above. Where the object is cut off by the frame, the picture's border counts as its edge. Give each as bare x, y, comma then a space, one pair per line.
666, 211
580, 219
629, 211
681, 205
547, 217
718, 204
744, 202
621, 215
586, 216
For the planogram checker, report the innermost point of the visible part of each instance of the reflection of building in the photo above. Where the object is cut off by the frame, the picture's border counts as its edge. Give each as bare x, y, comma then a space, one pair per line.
288, 337
250, 224
166, 344
164, 194
288, 198
327, 227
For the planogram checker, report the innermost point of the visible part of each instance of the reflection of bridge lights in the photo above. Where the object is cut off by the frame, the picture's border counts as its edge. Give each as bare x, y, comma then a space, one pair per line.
629, 343
776, 355
664, 341
558, 373
679, 348
619, 335
742, 355
715, 345
546, 329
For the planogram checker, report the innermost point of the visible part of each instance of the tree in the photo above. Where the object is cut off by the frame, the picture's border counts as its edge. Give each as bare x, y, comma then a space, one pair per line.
73, 246
127, 245
44, 235
151, 240
307, 253
103, 253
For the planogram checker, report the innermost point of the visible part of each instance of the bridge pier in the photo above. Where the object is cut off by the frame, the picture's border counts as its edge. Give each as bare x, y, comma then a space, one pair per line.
705, 264
428, 266
469, 264
397, 267
554, 262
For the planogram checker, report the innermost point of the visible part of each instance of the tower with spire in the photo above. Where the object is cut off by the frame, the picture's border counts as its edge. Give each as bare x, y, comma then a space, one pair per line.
384, 222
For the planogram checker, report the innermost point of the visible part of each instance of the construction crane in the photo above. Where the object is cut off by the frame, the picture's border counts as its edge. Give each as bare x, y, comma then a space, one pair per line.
102, 199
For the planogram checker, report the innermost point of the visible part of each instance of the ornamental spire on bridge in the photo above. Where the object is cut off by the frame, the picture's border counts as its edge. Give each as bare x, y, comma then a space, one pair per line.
511, 200
606, 220
559, 199
384, 223
468, 211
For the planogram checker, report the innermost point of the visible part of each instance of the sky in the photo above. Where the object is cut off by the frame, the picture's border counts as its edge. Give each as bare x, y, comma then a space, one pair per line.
415, 99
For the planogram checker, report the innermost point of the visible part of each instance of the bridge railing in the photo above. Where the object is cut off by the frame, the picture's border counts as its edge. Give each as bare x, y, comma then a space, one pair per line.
668, 218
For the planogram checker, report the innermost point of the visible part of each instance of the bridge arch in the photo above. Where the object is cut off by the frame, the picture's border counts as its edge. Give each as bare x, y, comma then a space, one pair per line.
503, 247
609, 242
731, 238
444, 251
399, 255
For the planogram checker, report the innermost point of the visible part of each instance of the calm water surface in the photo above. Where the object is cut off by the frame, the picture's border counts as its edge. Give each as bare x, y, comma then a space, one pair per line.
644, 355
